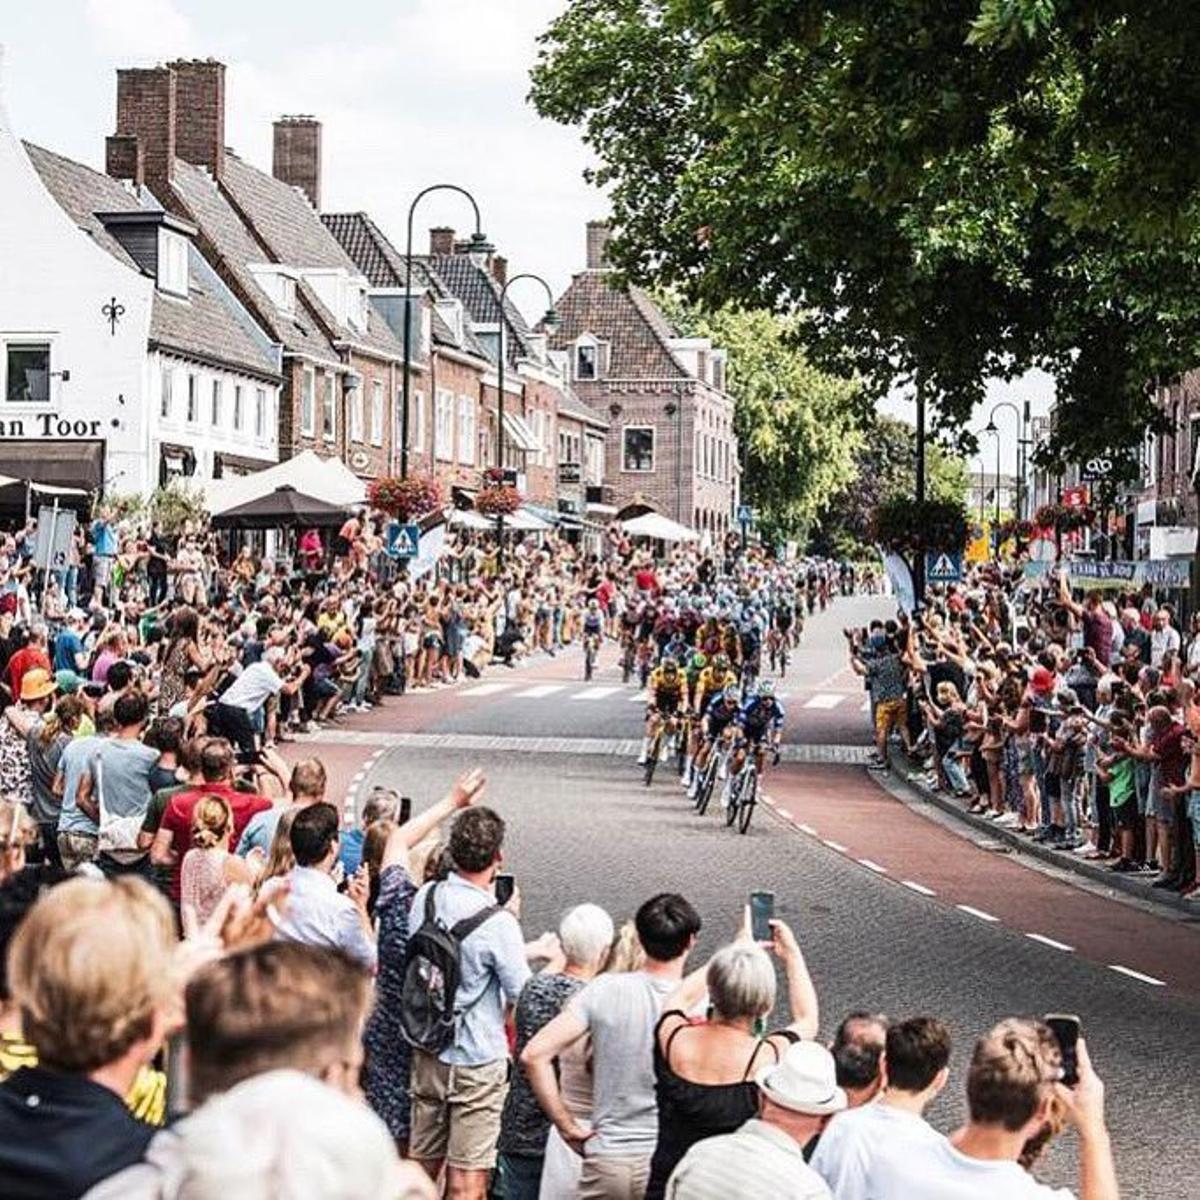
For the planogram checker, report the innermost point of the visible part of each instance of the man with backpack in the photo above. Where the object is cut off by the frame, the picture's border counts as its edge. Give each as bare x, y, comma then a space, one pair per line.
467, 963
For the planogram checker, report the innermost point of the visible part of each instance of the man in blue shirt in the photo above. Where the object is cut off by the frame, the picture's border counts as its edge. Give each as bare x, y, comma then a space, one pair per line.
104, 552
68, 645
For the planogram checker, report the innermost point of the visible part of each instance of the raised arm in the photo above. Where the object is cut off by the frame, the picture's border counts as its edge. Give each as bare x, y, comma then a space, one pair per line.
467, 790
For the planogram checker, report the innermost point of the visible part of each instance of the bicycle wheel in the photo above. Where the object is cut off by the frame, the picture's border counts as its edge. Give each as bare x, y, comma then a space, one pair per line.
708, 781
735, 797
626, 668
682, 748
783, 662
652, 761
589, 662
747, 801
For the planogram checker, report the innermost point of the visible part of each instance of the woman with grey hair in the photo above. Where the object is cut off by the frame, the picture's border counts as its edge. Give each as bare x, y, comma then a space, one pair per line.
586, 936
704, 1070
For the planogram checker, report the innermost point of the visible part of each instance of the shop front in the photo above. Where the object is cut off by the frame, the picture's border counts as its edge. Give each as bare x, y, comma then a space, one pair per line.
74, 463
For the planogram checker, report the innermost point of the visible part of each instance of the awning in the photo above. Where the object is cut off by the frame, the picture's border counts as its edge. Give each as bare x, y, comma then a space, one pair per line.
550, 515
327, 479
468, 518
520, 434
284, 508
78, 466
655, 525
526, 521
603, 510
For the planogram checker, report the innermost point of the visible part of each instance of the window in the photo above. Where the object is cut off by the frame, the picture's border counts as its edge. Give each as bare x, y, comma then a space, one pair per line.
237, 407
27, 373
637, 450
416, 421
193, 400
595, 461
443, 426
377, 413
466, 430
172, 262
287, 293
216, 403
329, 408
164, 397
586, 360
356, 413
260, 413
308, 403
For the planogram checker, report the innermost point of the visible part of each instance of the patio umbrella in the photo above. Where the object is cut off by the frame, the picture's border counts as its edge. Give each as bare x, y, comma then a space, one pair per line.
281, 509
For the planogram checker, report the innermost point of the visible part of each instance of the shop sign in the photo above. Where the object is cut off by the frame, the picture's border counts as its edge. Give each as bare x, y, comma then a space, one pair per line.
570, 472
48, 425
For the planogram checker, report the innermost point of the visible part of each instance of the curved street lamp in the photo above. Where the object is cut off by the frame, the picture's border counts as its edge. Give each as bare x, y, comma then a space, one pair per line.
478, 250
991, 427
550, 324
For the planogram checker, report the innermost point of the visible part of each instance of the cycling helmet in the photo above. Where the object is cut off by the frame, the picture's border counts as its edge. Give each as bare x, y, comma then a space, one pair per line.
730, 696
699, 660
766, 688
721, 662
669, 664
593, 604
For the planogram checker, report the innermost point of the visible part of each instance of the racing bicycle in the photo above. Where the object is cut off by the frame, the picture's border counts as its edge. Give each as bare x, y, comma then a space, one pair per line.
666, 731
591, 645
714, 771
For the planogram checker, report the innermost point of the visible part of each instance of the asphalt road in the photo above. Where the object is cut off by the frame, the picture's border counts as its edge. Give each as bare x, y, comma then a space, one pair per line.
582, 827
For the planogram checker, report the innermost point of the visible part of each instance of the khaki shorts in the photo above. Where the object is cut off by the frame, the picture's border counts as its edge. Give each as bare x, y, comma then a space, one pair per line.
889, 713
456, 1112
614, 1178
75, 849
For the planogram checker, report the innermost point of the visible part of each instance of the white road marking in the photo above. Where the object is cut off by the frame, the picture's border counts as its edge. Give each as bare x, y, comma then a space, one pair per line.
1137, 975
919, 888
1046, 941
596, 693
976, 912
866, 706
487, 689
824, 700
542, 689
872, 866
834, 845
807, 829
638, 697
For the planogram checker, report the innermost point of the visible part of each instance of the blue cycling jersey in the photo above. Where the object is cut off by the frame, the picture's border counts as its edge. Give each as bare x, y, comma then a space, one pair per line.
759, 714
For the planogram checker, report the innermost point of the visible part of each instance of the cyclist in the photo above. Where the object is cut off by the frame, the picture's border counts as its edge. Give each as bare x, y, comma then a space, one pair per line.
760, 716
750, 645
719, 720
783, 617
593, 627
713, 678
665, 691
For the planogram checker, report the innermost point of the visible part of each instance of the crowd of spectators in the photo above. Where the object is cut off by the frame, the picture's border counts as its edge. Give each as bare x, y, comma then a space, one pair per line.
1070, 719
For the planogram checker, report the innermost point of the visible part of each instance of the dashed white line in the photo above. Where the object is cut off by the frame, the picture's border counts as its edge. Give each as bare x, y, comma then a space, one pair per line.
1137, 975
486, 689
976, 912
834, 845
919, 888
824, 700
542, 689
1048, 941
872, 866
595, 693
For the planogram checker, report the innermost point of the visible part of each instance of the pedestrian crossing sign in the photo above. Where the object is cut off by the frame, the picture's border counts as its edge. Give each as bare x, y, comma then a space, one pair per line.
943, 567
403, 540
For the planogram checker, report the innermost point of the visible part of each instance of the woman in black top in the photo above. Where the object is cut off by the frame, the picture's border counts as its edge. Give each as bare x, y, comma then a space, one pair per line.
704, 1069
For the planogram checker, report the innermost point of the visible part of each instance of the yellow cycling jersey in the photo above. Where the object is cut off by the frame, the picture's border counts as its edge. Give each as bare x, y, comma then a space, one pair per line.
712, 681
660, 685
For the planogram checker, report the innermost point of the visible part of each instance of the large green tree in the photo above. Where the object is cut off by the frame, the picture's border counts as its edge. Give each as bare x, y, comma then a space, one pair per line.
797, 427
949, 189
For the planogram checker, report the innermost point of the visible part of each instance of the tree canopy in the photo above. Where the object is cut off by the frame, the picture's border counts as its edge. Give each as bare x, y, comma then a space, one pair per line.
956, 189
797, 427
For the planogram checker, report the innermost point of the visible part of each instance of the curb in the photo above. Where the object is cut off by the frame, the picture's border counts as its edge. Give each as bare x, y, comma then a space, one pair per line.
1065, 862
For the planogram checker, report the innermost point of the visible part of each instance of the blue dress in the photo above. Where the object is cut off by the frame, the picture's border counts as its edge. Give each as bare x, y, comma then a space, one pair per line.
387, 1054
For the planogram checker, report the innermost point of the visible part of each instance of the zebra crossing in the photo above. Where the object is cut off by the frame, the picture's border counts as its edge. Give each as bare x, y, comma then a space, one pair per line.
592, 692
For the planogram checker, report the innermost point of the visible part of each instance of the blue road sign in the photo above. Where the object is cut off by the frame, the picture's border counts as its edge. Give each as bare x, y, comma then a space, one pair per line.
403, 540
745, 515
943, 567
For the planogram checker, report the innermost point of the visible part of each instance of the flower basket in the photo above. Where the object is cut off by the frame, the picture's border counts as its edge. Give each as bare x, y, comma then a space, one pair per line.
499, 500
1062, 518
405, 499
903, 525
1020, 531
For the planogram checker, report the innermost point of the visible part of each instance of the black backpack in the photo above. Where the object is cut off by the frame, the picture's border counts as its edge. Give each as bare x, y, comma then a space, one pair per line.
432, 976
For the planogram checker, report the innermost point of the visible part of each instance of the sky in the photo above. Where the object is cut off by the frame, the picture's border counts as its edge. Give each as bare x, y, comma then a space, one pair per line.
409, 92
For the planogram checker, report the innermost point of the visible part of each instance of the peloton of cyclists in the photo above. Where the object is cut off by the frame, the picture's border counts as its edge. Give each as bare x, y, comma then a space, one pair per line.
759, 720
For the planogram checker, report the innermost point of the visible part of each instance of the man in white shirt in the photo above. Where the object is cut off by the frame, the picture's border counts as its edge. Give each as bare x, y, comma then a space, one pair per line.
1164, 638
1012, 1083
234, 713
914, 1070
765, 1157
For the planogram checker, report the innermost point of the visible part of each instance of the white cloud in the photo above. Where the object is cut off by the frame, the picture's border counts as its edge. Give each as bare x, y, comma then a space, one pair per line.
140, 28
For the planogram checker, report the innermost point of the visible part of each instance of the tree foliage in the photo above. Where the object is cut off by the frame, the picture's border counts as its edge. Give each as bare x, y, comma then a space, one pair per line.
797, 427
952, 189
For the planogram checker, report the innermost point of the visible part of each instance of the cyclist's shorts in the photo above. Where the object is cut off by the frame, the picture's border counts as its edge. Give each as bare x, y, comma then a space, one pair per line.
718, 725
667, 702
755, 733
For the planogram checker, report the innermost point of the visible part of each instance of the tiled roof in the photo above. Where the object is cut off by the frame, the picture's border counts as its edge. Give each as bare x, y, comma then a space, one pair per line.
225, 231
480, 294
383, 265
210, 324
638, 334
570, 405
295, 234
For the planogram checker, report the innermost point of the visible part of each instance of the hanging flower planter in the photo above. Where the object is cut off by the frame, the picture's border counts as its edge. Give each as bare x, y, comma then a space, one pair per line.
1012, 529
1063, 518
903, 525
405, 499
498, 500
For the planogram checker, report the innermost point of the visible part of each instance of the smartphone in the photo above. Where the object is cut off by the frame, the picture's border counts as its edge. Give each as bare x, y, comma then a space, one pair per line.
1065, 1027
405, 809
505, 884
762, 911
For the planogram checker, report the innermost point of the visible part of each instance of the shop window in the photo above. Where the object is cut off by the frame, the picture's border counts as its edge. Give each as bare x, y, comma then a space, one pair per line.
27, 373
637, 448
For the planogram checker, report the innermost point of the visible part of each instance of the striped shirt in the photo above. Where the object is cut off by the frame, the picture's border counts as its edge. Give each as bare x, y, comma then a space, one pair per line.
757, 1161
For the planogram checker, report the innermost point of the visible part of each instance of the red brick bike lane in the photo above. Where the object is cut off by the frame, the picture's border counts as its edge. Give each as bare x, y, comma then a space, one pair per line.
852, 815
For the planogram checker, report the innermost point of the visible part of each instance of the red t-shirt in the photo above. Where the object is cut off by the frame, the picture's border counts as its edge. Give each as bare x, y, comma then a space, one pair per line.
24, 660
178, 819
646, 580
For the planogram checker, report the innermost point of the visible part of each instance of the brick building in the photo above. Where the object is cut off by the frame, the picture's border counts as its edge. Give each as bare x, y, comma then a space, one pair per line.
266, 241
670, 439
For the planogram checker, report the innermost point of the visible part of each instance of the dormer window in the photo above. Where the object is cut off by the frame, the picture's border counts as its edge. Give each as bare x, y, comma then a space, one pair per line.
286, 294
172, 262
587, 360
450, 309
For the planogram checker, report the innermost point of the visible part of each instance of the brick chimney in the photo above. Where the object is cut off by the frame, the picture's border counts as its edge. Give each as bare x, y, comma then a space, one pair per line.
441, 240
123, 158
200, 112
146, 102
598, 234
499, 268
296, 155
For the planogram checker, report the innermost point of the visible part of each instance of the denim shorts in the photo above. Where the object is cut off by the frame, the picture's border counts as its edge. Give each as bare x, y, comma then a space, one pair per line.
1193, 811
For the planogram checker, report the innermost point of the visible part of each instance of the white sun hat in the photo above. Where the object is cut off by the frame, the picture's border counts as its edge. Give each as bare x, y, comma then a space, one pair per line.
804, 1080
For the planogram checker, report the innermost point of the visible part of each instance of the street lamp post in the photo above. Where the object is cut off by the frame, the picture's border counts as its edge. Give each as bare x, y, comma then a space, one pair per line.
550, 323
479, 249
1018, 504
996, 492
